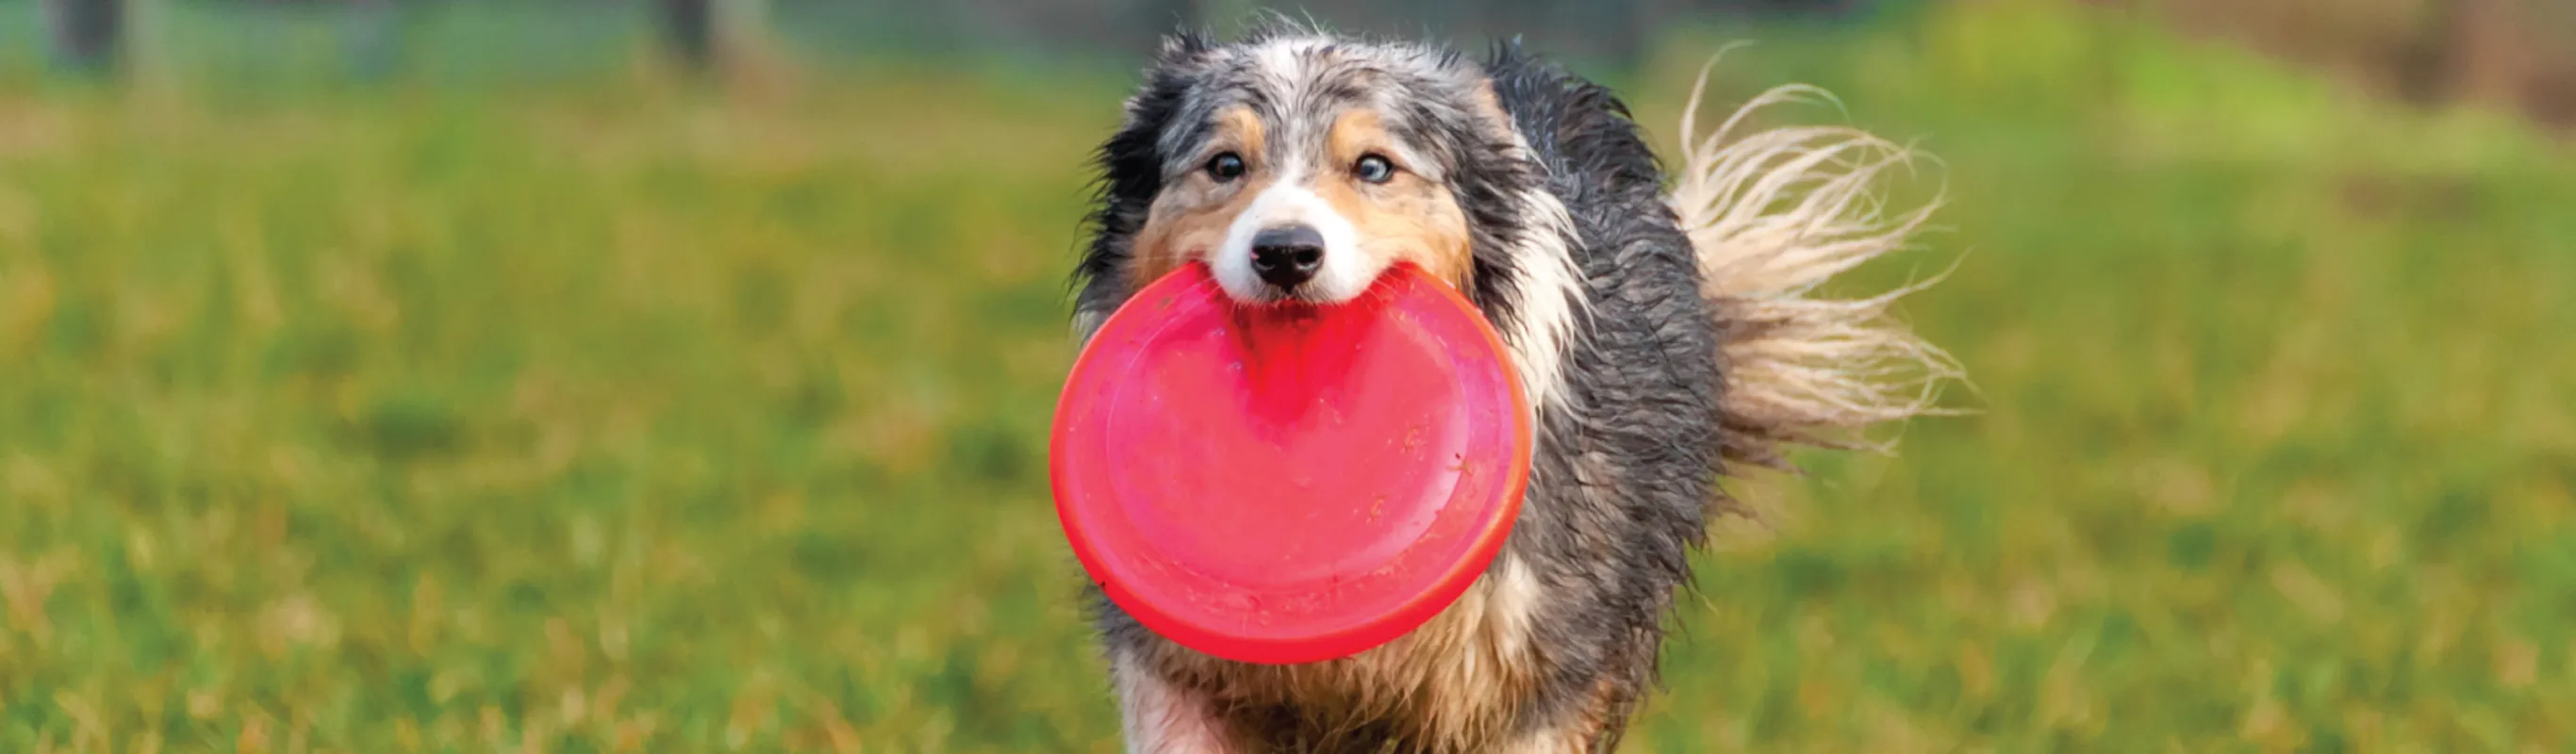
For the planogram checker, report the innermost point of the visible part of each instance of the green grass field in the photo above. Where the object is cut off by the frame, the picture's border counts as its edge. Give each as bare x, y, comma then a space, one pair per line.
622, 418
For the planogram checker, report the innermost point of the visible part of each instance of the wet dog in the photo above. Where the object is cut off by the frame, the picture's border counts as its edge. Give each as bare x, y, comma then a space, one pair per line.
1666, 334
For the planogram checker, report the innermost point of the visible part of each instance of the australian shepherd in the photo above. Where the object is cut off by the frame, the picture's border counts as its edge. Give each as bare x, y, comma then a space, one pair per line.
1667, 332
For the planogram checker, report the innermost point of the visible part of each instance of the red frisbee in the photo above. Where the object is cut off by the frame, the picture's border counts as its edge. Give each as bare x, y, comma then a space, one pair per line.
1284, 484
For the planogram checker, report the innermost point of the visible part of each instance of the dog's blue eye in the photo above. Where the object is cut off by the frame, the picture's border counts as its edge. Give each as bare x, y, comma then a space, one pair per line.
1225, 167
1374, 169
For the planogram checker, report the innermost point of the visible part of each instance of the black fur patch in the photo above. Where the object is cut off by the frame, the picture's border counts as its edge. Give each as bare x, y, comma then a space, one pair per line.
1628, 459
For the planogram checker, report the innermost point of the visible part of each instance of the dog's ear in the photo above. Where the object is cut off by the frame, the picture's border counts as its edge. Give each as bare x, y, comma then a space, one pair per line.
1177, 62
1131, 161
1130, 165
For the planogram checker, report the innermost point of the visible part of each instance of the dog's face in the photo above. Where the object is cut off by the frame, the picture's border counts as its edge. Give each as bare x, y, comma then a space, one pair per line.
1301, 168
1309, 204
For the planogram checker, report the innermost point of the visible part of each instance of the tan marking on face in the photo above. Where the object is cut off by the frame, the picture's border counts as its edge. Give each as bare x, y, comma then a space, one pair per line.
1190, 217
1406, 219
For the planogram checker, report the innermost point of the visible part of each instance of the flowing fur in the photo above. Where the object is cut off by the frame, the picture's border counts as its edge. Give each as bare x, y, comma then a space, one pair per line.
1775, 214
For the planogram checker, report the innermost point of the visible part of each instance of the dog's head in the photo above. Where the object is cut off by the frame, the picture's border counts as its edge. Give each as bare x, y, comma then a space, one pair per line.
1301, 167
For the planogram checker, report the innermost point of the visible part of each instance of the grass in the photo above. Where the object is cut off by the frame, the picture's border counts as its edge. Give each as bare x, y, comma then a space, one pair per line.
618, 418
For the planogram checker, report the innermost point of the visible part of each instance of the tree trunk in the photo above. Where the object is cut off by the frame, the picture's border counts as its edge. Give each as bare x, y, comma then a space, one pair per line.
690, 28
85, 33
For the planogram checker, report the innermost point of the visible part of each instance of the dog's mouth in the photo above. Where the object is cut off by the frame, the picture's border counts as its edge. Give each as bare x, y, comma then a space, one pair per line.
1309, 299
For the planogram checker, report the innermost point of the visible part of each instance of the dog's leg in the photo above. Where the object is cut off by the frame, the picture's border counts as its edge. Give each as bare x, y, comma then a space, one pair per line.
1159, 718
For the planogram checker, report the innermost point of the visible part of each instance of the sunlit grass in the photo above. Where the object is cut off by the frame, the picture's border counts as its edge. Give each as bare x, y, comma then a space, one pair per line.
635, 419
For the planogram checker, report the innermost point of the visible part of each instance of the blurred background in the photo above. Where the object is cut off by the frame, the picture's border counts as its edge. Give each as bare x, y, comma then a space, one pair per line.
600, 375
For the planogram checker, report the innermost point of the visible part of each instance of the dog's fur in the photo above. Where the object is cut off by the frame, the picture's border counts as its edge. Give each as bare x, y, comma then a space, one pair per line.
1662, 336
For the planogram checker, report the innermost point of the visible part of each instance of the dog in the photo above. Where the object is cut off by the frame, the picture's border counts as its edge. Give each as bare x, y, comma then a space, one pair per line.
1665, 336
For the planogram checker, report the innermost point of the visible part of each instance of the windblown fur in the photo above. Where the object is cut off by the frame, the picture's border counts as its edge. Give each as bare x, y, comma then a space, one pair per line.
1775, 214
1666, 334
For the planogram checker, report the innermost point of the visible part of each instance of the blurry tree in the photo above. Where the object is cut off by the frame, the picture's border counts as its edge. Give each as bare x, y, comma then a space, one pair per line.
690, 28
2479, 52
84, 33
2512, 53
708, 35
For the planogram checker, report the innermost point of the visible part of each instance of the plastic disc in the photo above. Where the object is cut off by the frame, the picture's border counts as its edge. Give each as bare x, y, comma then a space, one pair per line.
1286, 484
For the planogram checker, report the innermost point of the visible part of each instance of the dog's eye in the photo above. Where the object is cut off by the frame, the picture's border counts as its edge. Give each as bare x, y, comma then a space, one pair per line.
1225, 167
1374, 169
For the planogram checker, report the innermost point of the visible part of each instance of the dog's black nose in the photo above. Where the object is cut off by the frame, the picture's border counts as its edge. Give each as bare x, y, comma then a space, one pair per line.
1288, 256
